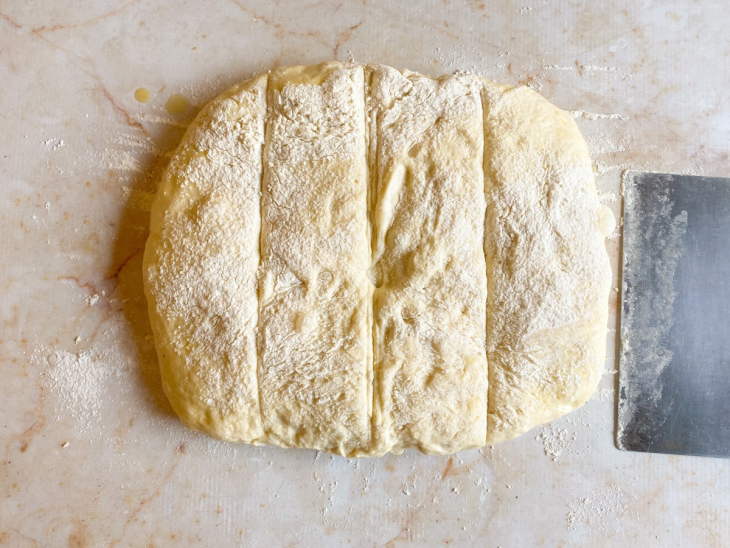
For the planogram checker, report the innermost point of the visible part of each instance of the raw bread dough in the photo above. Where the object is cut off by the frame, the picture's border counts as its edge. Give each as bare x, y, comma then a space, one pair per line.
314, 329
353, 259
429, 313
547, 266
200, 265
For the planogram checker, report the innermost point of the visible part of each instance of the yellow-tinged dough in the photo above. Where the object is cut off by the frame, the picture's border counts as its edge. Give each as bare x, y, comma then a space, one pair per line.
200, 267
342, 255
547, 266
428, 233
315, 361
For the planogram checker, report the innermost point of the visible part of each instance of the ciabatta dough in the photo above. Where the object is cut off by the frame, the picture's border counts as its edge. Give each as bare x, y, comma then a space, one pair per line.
353, 259
429, 312
314, 329
547, 266
201, 264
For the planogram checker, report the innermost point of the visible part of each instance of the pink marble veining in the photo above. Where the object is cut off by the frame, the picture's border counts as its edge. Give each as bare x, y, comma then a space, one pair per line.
93, 455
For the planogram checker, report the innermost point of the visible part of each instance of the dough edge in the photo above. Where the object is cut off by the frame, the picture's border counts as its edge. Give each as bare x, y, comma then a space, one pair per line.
199, 417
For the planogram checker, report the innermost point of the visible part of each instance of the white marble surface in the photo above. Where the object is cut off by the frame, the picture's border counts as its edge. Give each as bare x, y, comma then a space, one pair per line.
92, 453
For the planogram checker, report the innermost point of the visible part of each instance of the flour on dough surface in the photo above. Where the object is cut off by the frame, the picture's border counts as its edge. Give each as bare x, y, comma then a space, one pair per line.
200, 265
430, 364
547, 266
315, 362
354, 259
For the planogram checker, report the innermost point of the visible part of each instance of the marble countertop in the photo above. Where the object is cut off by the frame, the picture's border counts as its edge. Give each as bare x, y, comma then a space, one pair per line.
93, 455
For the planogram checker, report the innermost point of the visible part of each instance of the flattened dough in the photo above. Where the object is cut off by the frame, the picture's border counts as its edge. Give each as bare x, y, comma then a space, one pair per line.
315, 363
547, 266
354, 259
428, 226
200, 267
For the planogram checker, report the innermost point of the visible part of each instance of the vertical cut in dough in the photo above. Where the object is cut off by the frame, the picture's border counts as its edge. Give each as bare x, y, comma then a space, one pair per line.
315, 363
547, 266
432, 269
201, 261
429, 267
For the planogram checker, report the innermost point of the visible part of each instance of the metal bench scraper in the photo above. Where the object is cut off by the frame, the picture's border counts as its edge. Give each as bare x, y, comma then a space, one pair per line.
674, 364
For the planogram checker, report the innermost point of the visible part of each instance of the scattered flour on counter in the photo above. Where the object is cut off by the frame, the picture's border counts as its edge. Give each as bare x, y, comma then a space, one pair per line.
120, 160
139, 144
555, 441
54, 144
162, 120
79, 382
558, 67
603, 394
605, 144
595, 116
608, 197
603, 168
600, 511
599, 69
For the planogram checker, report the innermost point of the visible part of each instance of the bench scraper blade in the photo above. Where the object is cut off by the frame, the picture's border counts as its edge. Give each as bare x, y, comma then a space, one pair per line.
674, 364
